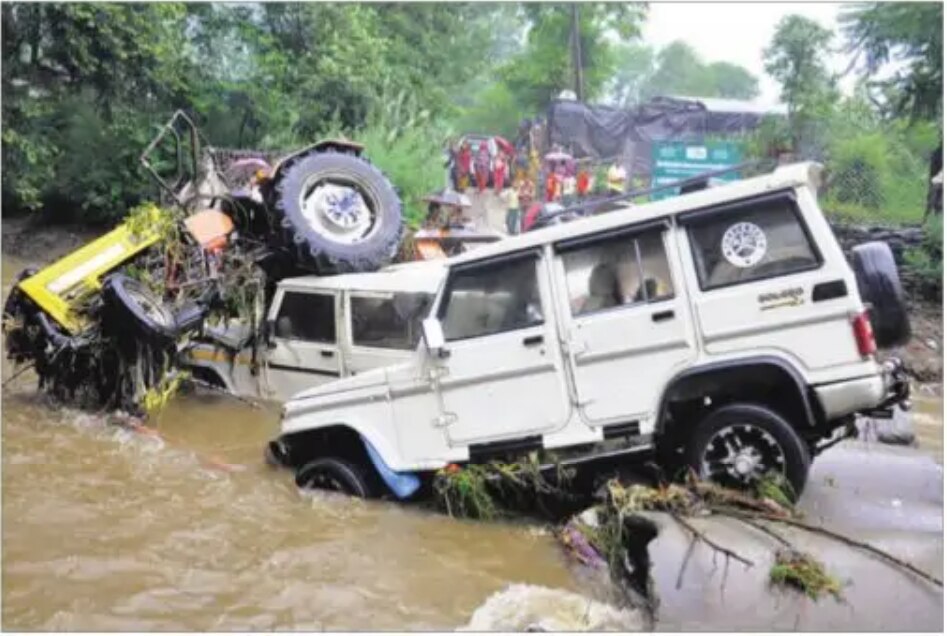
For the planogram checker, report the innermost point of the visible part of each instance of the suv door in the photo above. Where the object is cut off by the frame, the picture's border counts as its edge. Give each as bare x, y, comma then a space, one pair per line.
304, 348
504, 372
627, 322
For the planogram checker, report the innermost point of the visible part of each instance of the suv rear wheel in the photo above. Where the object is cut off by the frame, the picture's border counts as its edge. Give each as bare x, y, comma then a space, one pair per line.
339, 475
738, 444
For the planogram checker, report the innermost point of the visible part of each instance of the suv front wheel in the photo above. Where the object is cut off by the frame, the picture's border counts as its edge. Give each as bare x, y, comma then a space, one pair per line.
339, 475
738, 444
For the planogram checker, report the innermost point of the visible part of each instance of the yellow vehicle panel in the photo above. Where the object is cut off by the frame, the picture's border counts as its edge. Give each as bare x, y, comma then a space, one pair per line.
56, 288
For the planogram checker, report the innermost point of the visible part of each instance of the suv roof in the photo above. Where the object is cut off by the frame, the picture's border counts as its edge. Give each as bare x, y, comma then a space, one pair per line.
410, 277
782, 178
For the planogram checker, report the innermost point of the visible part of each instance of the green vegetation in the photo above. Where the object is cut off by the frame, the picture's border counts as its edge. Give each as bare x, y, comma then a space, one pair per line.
927, 261
677, 69
86, 85
805, 573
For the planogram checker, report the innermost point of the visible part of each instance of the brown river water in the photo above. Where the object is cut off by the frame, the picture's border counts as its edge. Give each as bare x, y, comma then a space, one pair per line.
106, 529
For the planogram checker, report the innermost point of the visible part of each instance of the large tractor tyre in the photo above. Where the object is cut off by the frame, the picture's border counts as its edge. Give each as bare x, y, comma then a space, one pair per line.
880, 286
739, 444
338, 214
133, 310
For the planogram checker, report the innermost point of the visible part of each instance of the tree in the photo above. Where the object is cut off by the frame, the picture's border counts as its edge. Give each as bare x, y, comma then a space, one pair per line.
635, 68
545, 68
795, 59
911, 33
679, 71
733, 81
676, 70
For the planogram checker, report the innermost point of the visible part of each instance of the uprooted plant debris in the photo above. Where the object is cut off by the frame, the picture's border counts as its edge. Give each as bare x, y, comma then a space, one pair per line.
108, 366
804, 572
493, 490
613, 533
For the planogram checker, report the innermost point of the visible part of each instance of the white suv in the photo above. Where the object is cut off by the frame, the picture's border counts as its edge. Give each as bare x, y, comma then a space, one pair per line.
722, 329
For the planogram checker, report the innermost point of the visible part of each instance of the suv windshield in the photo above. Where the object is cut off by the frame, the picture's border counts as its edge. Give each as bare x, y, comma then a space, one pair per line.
388, 322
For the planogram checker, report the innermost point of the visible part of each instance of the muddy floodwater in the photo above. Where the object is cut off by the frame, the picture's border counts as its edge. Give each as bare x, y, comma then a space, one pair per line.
106, 529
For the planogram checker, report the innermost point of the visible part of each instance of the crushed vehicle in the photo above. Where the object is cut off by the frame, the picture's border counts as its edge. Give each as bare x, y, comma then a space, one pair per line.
318, 329
104, 325
722, 331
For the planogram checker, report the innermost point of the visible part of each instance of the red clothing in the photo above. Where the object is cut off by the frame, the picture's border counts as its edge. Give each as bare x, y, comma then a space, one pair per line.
531, 215
499, 173
482, 167
582, 183
552, 187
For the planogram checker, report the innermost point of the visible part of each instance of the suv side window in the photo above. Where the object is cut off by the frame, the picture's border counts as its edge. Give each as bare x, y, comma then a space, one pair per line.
618, 271
304, 316
491, 298
762, 240
392, 322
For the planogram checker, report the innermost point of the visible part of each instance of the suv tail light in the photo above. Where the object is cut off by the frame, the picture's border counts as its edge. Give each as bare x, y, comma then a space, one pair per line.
864, 335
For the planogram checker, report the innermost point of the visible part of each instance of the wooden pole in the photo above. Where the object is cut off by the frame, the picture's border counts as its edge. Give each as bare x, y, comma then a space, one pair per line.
577, 53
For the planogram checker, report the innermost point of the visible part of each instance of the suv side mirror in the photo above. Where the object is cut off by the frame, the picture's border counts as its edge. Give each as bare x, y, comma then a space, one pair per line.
434, 337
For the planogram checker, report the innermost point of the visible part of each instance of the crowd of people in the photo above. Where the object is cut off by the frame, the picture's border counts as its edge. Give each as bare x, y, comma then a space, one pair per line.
525, 181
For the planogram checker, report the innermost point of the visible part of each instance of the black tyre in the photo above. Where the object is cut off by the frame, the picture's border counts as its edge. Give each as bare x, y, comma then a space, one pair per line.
276, 454
738, 444
17, 301
132, 307
880, 286
330, 473
18, 309
337, 213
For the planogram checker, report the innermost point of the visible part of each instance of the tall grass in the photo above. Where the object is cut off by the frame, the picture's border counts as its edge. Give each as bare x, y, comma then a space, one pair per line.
403, 141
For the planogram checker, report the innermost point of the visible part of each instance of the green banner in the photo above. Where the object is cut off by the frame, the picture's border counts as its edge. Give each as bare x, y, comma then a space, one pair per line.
676, 160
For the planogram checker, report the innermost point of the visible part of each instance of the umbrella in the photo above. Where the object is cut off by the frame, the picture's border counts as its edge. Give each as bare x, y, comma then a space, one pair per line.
505, 145
558, 156
448, 197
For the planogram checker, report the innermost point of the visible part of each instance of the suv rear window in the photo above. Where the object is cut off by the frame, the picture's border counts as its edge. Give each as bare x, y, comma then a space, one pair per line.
388, 323
758, 241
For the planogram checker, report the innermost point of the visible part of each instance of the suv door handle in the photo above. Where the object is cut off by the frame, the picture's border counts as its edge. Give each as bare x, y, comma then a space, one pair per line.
662, 315
326, 354
532, 340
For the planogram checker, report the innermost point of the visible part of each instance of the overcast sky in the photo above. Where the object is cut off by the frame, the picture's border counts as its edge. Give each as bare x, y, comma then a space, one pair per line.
737, 32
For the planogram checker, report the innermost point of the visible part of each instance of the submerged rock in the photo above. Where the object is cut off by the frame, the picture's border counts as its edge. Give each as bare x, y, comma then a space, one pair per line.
531, 608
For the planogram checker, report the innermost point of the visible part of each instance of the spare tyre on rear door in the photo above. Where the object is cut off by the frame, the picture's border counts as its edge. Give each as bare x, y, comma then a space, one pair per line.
338, 213
880, 287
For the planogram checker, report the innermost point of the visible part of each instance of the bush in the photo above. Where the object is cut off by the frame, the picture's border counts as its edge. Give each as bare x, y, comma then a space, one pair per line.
408, 147
857, 168
927, 261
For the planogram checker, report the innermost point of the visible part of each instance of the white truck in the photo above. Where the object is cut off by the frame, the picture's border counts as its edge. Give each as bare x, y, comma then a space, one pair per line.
722, 330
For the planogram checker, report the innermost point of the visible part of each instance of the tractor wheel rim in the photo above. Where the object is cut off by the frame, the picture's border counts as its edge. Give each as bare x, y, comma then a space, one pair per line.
742, 454
338, 210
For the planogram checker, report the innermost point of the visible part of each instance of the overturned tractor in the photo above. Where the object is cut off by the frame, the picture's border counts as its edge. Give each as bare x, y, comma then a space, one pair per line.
102, 325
